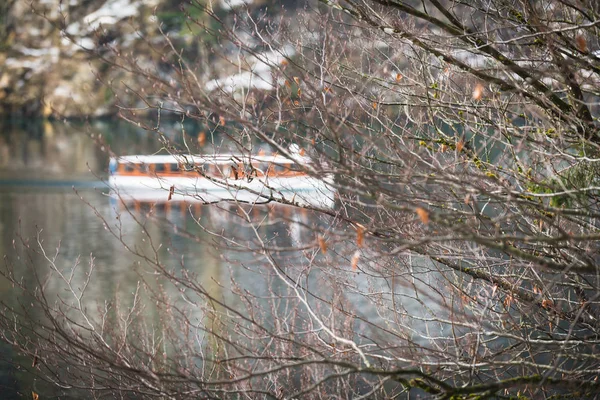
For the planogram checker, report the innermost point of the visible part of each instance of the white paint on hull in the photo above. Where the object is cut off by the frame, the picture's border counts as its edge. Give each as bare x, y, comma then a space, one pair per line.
302, 190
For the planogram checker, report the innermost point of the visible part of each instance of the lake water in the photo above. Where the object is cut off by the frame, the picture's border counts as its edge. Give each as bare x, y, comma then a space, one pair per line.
53, 196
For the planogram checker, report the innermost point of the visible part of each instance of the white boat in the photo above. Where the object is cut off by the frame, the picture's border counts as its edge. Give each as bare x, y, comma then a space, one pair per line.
213, 178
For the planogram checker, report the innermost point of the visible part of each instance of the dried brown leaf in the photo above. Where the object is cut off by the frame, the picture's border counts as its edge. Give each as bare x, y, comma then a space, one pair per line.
201, 138
360, 235
581, 43
478, 92
508, 301
423, 215
355, 259
322, 244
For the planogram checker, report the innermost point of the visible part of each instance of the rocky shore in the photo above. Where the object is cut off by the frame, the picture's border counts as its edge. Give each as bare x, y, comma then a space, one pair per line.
57, 57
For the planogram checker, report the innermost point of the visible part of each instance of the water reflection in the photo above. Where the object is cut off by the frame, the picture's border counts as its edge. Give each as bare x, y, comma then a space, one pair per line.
186, 241
45, 150
106, 248
53, 201
38, 151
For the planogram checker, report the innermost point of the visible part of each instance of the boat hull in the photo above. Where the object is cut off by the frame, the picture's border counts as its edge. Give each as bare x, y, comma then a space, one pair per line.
298, 190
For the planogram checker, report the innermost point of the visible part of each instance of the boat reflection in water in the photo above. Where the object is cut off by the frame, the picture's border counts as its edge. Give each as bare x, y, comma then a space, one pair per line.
213, 178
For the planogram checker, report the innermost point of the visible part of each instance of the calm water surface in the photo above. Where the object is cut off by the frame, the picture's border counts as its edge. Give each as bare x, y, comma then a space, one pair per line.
53, 196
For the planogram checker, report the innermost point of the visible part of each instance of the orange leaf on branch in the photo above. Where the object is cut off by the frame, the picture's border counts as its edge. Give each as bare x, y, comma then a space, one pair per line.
581, 43
322, 244
478, 92
423, 215
355, 259
360, 235
201, 138
508, 301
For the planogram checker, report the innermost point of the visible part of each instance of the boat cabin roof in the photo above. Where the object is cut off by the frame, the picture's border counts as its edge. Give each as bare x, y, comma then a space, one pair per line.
205, 159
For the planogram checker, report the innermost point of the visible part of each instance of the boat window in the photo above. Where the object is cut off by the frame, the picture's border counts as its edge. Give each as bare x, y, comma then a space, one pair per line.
189, 166
264, 167
214, 171
225, 170
204, 169
248, 170
210, 170
129, 167
280, 168
112, 166
295, 167
235, 173
173, 167
159, 168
